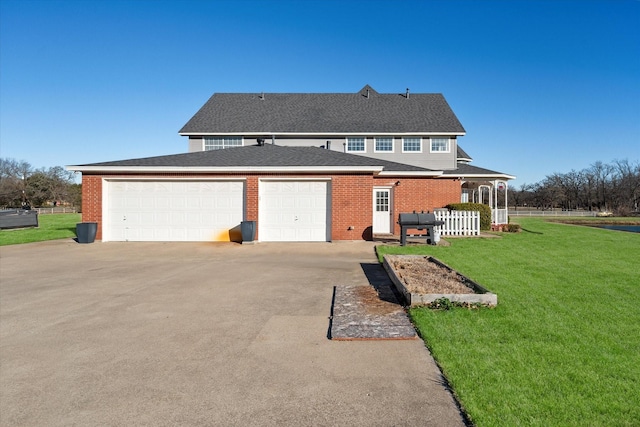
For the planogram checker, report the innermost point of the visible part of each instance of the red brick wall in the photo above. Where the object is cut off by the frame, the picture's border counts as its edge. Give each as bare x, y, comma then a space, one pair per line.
351, 207
420, 194
92, 201
351, 198
251, 205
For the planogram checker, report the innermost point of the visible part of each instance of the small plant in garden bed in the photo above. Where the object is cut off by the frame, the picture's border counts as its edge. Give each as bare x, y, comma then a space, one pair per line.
447, 304
422, 280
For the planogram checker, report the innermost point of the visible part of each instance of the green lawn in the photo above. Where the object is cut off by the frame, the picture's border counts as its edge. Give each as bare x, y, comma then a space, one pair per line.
51, 227
562, 348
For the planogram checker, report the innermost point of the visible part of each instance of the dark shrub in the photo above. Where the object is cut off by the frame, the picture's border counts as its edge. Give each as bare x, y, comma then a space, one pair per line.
485, 212
512, 228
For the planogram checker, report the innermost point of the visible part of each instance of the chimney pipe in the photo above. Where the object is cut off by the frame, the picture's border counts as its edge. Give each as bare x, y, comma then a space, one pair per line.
367, 93
407, 95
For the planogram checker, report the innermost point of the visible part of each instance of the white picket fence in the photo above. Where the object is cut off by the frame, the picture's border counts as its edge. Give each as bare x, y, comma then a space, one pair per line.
458, 223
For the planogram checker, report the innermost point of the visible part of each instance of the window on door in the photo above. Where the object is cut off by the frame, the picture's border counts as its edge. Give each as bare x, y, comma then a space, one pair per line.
382, 201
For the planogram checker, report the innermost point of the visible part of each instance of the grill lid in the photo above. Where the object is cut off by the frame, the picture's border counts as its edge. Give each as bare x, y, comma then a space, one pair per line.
417, 218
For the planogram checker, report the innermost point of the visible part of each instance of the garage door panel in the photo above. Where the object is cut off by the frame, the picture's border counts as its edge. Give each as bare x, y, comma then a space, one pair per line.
294, 211
173, 210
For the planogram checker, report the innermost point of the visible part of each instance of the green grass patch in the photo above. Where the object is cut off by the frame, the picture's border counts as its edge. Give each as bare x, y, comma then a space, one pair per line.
562, 347
50, 227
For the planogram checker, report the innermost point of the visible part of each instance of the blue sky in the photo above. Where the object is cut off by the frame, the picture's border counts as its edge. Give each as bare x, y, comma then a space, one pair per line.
540, 86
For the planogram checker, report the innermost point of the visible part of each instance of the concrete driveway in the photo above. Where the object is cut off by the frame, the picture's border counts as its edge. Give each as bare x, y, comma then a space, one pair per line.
199, 334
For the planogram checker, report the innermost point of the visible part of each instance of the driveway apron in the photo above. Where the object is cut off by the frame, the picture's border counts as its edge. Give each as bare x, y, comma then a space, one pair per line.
200, 334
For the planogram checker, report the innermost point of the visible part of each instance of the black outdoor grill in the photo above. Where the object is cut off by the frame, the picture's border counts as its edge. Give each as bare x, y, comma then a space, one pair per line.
417, 221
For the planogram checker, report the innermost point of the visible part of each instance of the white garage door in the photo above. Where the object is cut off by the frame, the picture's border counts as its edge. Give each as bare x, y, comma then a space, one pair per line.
294, 211
169, 211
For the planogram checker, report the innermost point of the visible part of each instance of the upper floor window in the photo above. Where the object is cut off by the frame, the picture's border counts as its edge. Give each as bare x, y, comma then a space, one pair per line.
384, 145
220, 142
412, 145
440, 145
356, 145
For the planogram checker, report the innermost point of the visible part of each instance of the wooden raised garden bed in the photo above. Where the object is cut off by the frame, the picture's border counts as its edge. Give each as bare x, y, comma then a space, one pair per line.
422, 280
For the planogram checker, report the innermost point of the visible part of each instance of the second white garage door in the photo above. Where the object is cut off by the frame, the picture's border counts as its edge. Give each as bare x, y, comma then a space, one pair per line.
169, 211
294, 211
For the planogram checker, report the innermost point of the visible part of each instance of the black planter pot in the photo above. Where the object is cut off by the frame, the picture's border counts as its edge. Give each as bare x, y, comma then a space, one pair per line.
86, 231
248, 230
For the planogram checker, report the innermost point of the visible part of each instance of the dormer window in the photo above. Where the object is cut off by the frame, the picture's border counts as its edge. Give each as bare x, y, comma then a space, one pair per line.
220, 142
440, 145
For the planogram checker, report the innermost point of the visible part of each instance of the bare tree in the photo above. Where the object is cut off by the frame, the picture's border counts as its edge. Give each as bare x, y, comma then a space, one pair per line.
13, 176
601, 186
625, 186
21, 185
601, 173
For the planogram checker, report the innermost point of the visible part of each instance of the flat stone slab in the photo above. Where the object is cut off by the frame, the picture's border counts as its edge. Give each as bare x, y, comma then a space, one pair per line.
359, 314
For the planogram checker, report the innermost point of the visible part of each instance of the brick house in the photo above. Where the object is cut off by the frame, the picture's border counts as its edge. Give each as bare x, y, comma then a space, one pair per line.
304, 167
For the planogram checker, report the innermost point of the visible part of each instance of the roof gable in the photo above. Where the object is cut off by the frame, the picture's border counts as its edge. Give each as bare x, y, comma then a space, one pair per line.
300, 113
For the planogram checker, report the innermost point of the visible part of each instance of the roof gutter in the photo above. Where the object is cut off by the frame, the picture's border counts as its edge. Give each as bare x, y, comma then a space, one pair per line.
483, 176
410, 173
321, 134
222, 169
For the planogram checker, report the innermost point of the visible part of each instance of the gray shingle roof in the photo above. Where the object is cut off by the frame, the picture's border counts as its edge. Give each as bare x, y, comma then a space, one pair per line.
462, 155
465, 169
267, 155
273, 113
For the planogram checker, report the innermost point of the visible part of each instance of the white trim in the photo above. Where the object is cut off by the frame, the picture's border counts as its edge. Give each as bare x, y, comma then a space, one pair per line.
296, 178
225, 169
413, 151
173, 178
393, 145
322, 134
477, 175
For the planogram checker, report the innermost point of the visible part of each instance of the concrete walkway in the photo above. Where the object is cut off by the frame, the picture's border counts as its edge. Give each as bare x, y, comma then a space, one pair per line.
199, 334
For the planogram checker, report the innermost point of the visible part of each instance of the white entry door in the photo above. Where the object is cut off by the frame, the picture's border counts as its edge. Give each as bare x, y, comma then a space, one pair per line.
294, 211
382, 210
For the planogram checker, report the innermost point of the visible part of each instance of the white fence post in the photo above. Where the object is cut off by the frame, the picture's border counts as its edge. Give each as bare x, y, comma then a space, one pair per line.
458, 223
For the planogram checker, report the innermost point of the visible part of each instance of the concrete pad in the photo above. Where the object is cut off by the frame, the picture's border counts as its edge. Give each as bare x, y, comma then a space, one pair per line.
360, 314
199, 334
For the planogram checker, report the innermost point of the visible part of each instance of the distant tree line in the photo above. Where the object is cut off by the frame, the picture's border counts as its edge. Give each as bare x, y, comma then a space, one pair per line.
613, 187
23, 186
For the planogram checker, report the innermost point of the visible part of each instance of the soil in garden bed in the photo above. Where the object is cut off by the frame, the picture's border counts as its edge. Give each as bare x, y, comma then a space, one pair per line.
423, 276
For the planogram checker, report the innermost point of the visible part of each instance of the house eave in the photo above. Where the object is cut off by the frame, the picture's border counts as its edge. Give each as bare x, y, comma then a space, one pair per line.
321, 134
485, 176
223, 169
411, 173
